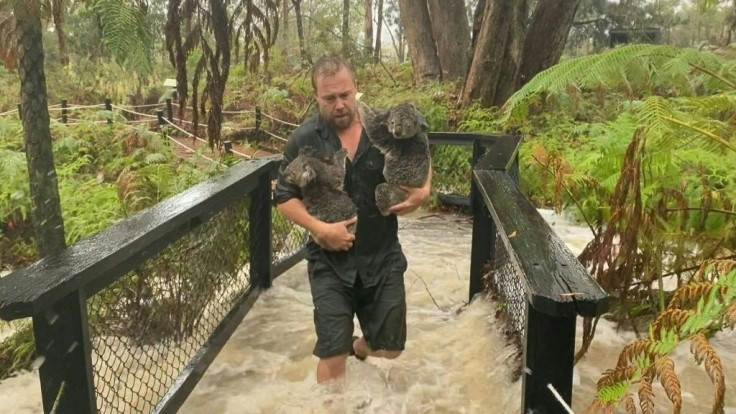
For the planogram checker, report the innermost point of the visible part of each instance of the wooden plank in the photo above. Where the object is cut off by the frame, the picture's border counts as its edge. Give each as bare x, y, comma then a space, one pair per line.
557, 284
99, 260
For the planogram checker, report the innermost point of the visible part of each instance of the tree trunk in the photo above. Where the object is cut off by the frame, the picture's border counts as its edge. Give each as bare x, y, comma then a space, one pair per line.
177, 56
477, 21
45, 201
57, 10
300, 30
497, 53
379, 27
219, 69
452, 34
422, 50
368, 30
546, 36
345, 28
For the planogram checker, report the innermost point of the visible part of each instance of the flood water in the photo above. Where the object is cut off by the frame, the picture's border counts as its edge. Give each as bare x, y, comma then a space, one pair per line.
456, 360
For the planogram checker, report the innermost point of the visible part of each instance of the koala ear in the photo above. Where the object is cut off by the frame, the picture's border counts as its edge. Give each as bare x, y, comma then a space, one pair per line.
306, 176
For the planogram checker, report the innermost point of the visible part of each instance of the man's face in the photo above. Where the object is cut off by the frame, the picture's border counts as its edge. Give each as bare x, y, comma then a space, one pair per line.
336, 98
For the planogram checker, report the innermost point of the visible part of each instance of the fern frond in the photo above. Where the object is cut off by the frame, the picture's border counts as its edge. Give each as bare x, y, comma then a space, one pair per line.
646, 394
632, 351
630, 404
670, 319
689, 294
635, 67
731, 315
703, 352
613, 376
671, 383
126, 33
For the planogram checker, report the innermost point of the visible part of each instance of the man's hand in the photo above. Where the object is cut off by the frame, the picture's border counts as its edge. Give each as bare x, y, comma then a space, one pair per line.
417, 197
335, 236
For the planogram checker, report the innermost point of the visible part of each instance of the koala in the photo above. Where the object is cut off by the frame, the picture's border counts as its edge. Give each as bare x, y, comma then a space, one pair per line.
321, 183
400, 133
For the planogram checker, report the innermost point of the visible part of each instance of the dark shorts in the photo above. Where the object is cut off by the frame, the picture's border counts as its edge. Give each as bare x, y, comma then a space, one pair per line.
381, 310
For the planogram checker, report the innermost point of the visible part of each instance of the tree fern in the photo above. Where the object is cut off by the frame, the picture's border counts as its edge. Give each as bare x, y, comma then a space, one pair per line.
126, 33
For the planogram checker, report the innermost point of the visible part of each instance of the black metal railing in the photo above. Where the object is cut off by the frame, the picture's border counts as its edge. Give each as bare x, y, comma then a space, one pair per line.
129, 319
543, 287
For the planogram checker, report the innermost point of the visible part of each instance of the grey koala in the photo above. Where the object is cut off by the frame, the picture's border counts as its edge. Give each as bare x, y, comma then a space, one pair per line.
400, 133
321, 183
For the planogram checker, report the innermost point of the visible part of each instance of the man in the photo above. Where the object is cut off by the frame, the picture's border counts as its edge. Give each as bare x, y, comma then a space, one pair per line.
349, 274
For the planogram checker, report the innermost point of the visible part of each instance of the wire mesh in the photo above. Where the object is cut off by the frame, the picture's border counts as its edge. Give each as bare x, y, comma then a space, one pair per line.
506, 284
287, 238
150, 323
451, 169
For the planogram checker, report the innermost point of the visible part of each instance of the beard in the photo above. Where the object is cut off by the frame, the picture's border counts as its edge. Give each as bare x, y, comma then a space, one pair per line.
341, 121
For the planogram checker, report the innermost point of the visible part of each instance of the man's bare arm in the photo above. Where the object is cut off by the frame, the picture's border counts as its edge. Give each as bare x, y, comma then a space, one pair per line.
331, 236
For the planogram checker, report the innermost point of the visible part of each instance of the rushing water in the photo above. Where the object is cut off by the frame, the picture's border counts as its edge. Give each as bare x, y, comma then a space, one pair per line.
456, 360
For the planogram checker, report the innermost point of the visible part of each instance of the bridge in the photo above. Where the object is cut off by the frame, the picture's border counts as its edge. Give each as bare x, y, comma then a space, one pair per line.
164, 290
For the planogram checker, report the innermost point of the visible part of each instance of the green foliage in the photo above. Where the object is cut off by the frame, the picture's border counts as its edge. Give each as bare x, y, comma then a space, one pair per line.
126, 33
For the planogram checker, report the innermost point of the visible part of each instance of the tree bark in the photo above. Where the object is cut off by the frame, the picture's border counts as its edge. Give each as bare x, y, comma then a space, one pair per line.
45, 201
300, 30
368, 30
218, 69
546, 36
57, 10
379, 28
477, 21
345, 28
418, 29
497, 53
452, 35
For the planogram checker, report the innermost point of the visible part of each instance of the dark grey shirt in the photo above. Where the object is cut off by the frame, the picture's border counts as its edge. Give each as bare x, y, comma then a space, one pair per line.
376, 249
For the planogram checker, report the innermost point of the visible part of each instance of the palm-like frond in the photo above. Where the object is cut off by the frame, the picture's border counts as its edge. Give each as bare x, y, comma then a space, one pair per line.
636, 69
126, 33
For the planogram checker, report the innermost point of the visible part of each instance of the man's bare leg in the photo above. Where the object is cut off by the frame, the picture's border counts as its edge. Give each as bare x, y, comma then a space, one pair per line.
331, 368
363, 350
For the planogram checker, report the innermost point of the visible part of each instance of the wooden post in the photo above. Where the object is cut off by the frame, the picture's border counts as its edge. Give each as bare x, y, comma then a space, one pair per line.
64, 117
259, 214
228, 147
549, 354
169, 111
62, 341
20, 114
258, 118
108, 107
160, 116
484, 231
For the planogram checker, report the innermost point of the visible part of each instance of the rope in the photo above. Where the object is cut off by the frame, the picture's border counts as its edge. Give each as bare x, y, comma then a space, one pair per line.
200, 139
278, 120
195, 152
244, 111
85, 106
141, 106
275, 136
134, 112
12, 111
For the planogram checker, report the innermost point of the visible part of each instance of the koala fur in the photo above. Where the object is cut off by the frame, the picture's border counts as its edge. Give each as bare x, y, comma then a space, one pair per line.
321, 184
400, 133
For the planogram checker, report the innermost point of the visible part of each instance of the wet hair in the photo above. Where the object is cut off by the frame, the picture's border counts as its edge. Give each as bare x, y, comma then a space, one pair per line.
329, 65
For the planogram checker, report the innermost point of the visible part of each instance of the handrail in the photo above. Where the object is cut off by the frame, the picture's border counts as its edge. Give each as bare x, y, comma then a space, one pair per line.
99, 260
555, 281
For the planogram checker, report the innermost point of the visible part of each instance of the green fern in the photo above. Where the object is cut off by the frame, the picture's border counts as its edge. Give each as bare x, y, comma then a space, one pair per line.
126, 33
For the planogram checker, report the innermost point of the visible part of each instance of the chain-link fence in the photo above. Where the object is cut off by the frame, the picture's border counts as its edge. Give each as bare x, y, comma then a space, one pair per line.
287, 238
149, 324
504, 281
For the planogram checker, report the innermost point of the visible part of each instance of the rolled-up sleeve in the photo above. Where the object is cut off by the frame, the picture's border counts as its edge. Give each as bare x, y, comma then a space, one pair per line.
285, 191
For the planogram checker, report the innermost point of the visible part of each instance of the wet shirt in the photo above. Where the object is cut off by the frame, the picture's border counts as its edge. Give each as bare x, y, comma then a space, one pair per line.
376, 247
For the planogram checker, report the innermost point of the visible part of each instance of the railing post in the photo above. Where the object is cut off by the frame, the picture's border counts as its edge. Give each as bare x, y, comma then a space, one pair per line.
258, 117
228, 147
62, 341
160, 117
549, 353
20, 113
484, 231
169, 111
64, 117
108, 107
259, 214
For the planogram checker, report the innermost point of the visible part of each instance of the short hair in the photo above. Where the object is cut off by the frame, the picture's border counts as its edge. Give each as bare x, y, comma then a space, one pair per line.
329, 65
